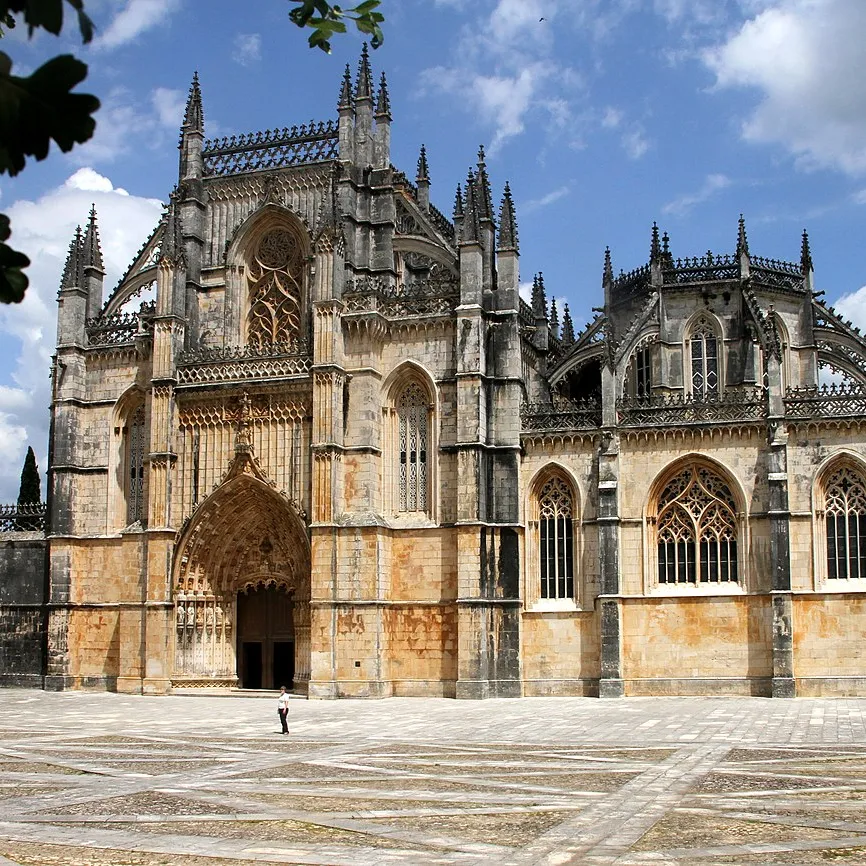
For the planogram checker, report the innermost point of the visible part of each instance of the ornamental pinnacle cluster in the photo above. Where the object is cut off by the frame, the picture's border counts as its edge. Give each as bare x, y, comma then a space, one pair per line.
315, 437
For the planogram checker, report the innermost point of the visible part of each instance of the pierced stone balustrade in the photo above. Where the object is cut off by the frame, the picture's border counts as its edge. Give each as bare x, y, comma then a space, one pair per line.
23, 518
249, 363
846, 400
675, 410
560, 415
119, 328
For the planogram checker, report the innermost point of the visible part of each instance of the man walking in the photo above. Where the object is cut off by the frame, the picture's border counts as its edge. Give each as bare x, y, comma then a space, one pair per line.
283, 709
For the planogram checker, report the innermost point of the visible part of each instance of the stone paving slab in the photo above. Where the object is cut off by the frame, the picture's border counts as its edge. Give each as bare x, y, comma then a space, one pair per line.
119, 780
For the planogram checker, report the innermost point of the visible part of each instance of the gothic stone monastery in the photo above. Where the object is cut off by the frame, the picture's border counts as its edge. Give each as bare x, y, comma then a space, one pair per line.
338, 451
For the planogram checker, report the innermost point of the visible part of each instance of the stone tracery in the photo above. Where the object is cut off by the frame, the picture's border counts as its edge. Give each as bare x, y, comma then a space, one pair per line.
274, 278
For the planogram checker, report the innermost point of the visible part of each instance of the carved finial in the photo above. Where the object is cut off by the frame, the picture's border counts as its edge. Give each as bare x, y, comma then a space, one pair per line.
805, 255
539, 298
458, 203
567, 328
91, 248
666, 247
607, 277
193, 118
554, 318
508, 239
655, 246
73, 272
383, 100
742, 238
346, 89
484, 196
423, 173
363, 86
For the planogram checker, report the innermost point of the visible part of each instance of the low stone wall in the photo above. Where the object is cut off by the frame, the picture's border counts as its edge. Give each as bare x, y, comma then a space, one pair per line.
22, 610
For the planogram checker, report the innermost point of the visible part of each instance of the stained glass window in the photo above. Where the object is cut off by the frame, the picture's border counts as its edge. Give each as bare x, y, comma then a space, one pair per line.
412, 422
845, 514
697, 529
274, 277
556, 540
135, 450
704, 347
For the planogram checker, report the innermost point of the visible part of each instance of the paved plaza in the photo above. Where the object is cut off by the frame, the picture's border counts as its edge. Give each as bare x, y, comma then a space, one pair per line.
120, 780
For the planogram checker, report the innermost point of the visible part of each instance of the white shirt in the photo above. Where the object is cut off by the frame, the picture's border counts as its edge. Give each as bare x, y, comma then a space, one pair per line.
283, 701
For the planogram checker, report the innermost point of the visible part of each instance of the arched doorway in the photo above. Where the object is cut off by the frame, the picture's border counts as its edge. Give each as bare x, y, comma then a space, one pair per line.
242, 589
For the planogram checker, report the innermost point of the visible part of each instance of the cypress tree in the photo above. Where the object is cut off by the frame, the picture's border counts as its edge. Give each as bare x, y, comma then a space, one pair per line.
30, 492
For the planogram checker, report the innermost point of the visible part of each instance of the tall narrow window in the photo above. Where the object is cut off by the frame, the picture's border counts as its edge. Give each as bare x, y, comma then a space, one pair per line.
274, 277
556, 539
704, 347
643, 382
697, 530
135, 449
412, 422
845, 514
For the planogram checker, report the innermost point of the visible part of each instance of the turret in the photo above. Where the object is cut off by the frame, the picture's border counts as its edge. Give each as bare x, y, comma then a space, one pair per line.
655, 257
422, 179
486, 223
458, 212
607, 281
471, 253
539, 311
567, 328
383, 125
72, 297
94, 270
364, 112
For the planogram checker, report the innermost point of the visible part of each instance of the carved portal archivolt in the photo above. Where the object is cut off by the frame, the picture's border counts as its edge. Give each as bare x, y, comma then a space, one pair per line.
243, 537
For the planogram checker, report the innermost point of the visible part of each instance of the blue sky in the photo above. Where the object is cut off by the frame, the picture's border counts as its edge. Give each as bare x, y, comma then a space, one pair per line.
604, 116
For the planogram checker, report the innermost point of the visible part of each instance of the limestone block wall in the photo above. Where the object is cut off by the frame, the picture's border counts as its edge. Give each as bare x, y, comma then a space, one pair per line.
697, 645
22, 616
560, 653
830, 644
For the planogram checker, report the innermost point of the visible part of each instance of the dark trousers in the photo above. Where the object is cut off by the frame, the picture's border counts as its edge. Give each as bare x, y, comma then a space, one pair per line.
284, 716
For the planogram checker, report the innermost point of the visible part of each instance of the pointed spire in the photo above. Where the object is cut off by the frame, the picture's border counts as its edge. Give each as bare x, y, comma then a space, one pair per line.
193, 118
90, 246
554, 318
567, 328
470, 216
346, 89
539, 299
655, 246
742, 239
805, 255
484, 196
363, 86
607, 278
458, 204
383, 100
666, 247
423, 173
508, 239
73, 272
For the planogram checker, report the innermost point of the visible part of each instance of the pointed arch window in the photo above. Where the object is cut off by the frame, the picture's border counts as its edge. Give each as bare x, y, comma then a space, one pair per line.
556, 539
704, 359
274, 276
697, 530
845, 516
136, 444
413, 434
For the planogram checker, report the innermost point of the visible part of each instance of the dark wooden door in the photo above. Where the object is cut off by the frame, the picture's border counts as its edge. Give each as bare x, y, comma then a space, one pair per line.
265, 620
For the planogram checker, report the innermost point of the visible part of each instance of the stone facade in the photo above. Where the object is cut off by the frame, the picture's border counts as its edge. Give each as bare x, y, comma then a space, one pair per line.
338, 448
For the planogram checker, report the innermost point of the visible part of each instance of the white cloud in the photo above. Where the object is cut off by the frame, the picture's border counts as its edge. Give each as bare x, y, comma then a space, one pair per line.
853, 307
43, 229
550, 198
122, 113
804, 59
248, 49
684, 203
135, 18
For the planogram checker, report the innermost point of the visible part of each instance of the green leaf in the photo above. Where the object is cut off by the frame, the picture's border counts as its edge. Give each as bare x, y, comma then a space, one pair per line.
48, 15
37, 110
13, 283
